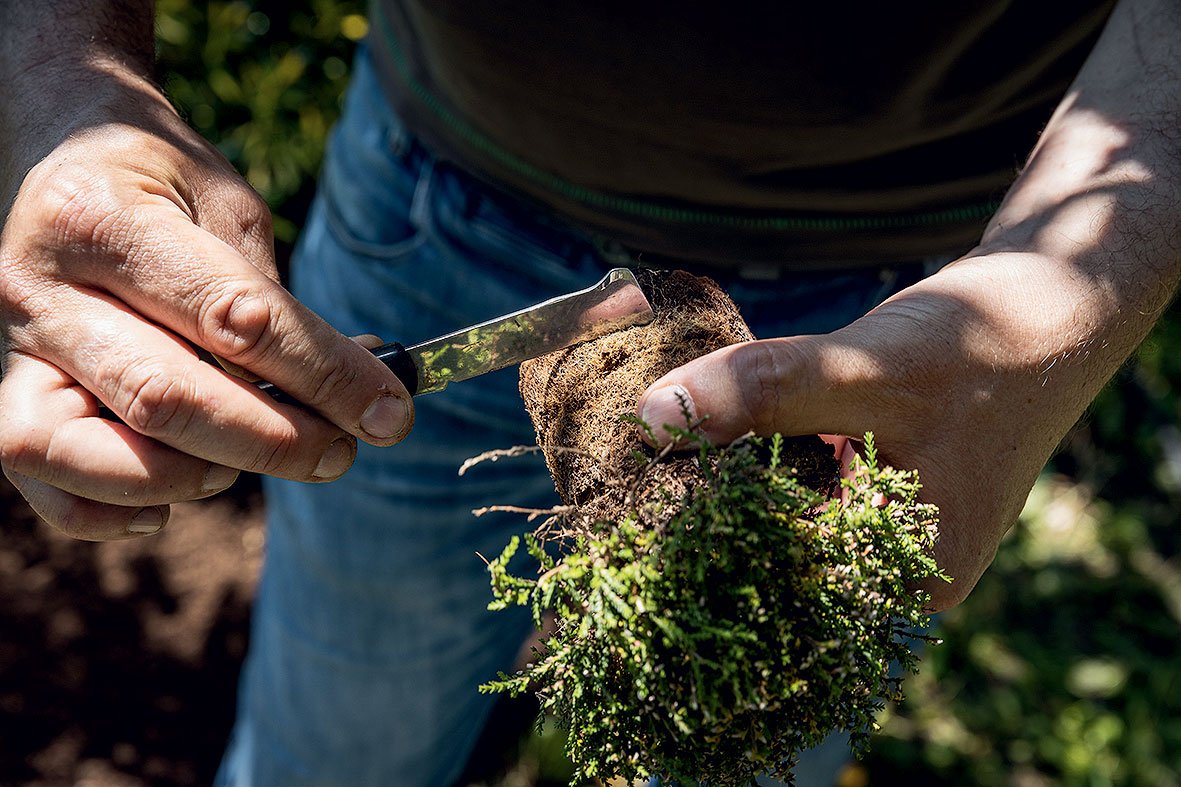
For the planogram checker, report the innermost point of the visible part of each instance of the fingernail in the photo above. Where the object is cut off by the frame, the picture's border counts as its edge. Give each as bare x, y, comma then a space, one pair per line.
386, 417
146, 521
668, 407
218, 477
336, 459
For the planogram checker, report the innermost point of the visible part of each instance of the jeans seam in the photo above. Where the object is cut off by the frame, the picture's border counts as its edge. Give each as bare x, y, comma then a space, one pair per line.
420, 205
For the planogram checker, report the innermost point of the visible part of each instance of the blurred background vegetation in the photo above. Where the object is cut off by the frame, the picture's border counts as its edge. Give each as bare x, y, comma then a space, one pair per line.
263, 80
1063, 667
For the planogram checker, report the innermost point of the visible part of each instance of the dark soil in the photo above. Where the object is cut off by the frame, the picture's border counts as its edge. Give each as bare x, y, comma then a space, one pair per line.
118, 661
579, 397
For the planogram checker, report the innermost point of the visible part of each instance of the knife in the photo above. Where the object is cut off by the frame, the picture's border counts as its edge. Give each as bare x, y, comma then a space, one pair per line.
615, 303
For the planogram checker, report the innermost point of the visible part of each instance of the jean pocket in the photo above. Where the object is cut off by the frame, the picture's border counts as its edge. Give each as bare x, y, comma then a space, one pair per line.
372, 197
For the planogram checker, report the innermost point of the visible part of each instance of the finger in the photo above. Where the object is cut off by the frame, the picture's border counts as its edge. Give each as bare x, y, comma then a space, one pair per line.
156, 384
88, 520
840, 448
799, 385
848, 454
49, 432
209, 294
368, 341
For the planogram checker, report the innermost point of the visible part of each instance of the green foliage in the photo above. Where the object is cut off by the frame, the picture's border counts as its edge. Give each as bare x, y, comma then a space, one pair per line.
718, 645
263, 81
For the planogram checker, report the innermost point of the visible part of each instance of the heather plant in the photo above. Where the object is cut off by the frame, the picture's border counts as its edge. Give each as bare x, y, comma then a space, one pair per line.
712, 638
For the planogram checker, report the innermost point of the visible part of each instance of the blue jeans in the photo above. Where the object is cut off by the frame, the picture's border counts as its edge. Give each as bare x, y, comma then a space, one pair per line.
370, 633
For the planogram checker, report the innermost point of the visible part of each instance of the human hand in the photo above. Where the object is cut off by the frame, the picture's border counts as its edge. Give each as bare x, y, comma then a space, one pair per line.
971, 377
127, 244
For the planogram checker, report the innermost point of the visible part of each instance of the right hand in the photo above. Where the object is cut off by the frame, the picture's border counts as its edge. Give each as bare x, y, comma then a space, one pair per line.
129, 241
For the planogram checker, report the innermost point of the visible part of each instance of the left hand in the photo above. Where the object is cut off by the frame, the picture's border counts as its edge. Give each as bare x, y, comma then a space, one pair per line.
971, 377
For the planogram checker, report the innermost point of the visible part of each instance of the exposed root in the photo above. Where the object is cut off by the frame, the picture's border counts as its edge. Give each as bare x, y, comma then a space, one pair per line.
518, 450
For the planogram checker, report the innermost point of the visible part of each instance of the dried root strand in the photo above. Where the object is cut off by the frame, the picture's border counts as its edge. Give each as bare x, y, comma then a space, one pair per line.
518, 450
531, 513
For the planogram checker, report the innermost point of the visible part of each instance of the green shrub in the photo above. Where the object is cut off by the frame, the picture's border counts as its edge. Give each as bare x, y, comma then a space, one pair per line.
718, 645
263, 81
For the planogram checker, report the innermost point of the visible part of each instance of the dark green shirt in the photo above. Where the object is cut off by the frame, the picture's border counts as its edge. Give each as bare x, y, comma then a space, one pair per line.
741, 131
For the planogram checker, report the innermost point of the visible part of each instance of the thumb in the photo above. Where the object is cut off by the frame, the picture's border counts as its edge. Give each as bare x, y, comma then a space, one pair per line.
796, 385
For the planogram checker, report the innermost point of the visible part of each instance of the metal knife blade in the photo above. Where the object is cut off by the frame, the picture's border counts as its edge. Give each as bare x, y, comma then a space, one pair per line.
614, 303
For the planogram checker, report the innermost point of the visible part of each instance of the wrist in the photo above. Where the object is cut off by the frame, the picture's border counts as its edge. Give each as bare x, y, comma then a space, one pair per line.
61, 60
74, 96
73, 34
1026, 337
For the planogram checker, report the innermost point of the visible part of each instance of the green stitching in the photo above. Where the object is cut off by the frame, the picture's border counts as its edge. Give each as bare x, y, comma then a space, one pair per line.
652, 210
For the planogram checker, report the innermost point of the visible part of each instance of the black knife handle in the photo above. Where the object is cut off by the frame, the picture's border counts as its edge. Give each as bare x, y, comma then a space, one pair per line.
393, 355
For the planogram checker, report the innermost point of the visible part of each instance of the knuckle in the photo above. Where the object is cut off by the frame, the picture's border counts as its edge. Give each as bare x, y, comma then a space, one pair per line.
279, 455
25, 432
239, 216
13, 290
154, 403
945, 595
75, 517
78, 520
31, 306
23, 448
62, 217
333, 378
87, 520
762, 372
963, 554
236, 323
16, 294
74, 206
254, 217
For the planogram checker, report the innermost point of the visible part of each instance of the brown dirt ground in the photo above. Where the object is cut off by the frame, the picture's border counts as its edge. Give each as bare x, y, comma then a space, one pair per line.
119, 661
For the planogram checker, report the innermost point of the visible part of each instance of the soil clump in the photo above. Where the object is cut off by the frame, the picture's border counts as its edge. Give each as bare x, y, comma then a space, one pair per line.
579, 400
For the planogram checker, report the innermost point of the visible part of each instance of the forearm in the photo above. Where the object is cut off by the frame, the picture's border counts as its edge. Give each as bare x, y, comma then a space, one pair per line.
58, 59
32, 34
1100, 201
973, 375
1085, 252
